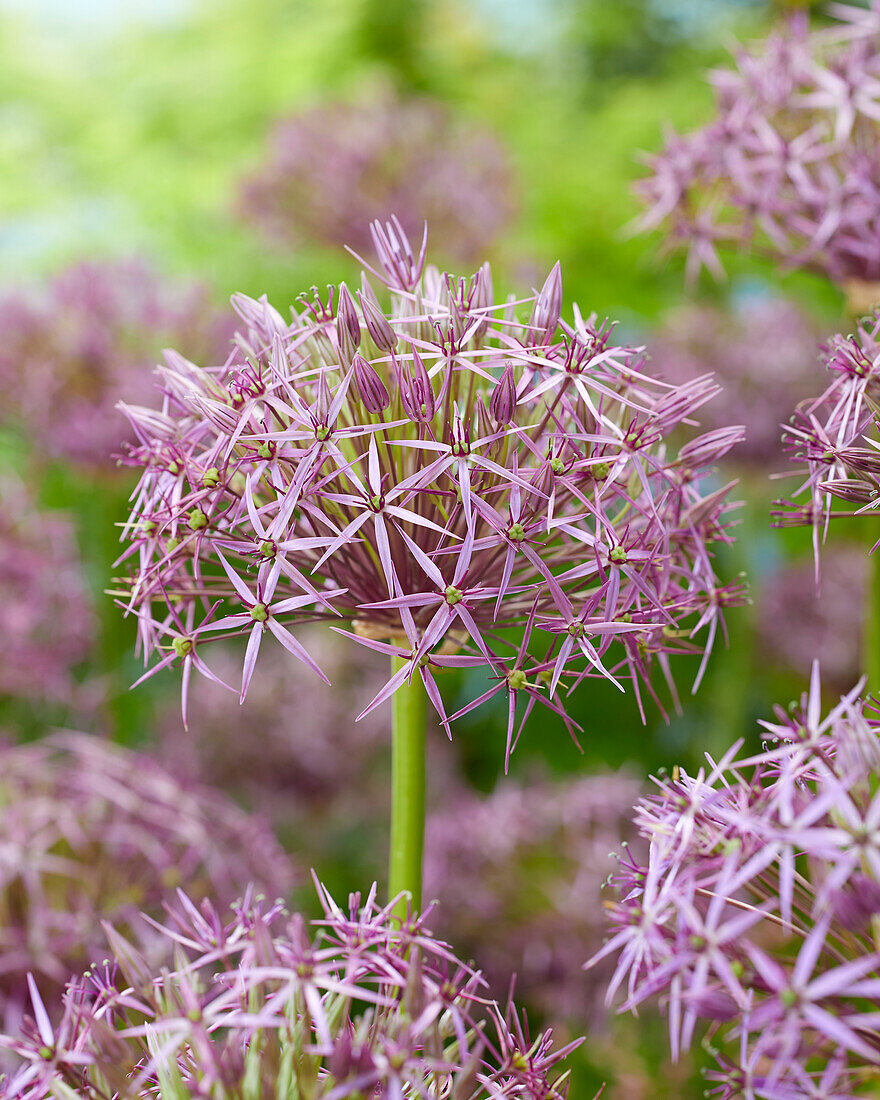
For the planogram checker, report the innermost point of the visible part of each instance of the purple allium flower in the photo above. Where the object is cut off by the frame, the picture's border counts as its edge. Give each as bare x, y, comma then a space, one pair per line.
273, 495
332, 169
91, 832
260, 1005
835, 434
759, 906
520, 885
92, 334
46, 618
763, 355
789, 166
795, 622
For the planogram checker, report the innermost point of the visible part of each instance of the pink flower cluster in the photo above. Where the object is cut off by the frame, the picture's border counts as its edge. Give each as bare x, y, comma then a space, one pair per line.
519, 885
429, 474
258, 1006
835, 434
46, 616
92, 334
94, 832
789, 167
759, 905
332, 169
762, 352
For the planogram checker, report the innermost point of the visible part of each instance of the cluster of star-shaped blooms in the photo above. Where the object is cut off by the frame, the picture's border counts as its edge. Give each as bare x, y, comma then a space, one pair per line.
333, 168
835, 434
258, 1006
789, 166
520, 886
46, 617
762, 351
95, 832
91, 335
759, 907
430, 475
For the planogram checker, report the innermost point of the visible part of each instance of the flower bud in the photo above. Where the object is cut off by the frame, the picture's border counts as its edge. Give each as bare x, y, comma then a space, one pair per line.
503, 400
259, 315
711, 446
381, 333
457, 322
348, 327
416, 391
482, 299
547, 308
850, 489
370, 386
402, 269
222, 417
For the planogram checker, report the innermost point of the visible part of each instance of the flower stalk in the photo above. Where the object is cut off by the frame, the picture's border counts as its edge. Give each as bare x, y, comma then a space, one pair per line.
407, 791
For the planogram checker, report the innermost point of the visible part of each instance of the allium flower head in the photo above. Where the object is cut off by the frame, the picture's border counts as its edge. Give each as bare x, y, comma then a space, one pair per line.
759, 907
836, 436
332, 169
261, 1005
91, 335
789, 166
762, 353
520, 885
46, 618
91, 832
428, 474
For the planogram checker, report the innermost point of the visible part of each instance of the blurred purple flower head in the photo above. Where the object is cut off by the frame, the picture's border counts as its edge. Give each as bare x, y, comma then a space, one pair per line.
763, 354
46, 617
789, 167
759, 907
92, 334
520, 886
92, 832
260, 1006
795, 622
306, 765
835, 435
332, 169
272, 494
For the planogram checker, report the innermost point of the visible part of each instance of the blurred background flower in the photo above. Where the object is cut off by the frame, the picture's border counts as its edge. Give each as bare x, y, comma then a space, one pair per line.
763, 352
796, 620
517, 888
334, 168
47, 622
92, 831
292, 750
88, 338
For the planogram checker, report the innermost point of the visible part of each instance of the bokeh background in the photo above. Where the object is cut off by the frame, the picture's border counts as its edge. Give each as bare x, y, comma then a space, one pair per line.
157, 156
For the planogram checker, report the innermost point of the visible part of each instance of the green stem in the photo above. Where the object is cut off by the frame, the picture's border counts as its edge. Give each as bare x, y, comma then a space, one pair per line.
871, 655
407, 789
